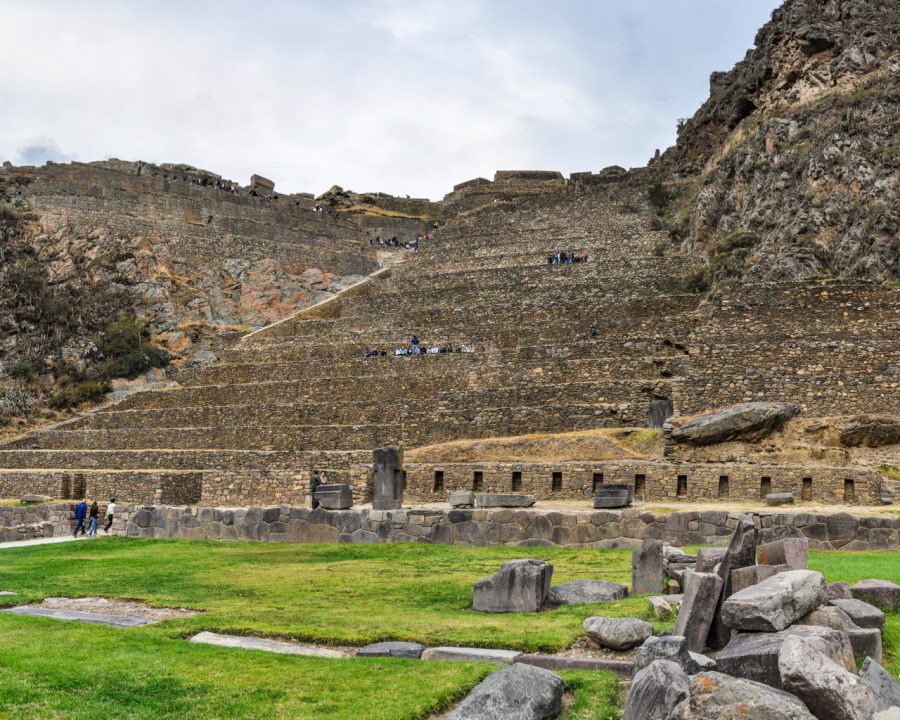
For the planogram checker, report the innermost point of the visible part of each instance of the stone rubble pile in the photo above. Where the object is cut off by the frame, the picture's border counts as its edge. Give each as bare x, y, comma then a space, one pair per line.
789, 642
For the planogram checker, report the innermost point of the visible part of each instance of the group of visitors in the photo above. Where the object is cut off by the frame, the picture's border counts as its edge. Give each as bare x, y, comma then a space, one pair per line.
415, 347
83, 513
560, 257
394, 242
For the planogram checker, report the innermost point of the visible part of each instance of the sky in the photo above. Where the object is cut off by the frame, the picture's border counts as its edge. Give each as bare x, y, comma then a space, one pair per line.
402, 96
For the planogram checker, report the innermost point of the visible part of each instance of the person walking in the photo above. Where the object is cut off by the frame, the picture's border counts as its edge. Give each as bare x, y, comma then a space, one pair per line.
93, 514
80, 514
314, 481
415, 345
110, 511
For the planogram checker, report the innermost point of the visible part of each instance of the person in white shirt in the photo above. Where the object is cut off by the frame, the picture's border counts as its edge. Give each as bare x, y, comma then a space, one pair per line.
110, 510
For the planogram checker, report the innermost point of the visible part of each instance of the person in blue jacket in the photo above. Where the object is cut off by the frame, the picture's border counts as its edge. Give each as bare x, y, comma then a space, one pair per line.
80, 514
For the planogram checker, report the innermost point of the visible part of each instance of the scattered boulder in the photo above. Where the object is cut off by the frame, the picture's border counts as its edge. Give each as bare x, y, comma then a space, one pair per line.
755, 655
655, 690
518, 692
776, 499
409, 650
660, 607
665, 647
585, 592
829, 690
793, 552
695, 617
749, 422
861, 613
882, 593
838, 591
714, 696
870, 431
883, 684
617, 633
519, 586
775, 603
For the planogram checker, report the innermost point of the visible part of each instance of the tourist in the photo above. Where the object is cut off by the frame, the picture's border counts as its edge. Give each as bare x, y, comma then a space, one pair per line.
80, 514
593, 331
415, 345
314, 483
110, 511
94, 514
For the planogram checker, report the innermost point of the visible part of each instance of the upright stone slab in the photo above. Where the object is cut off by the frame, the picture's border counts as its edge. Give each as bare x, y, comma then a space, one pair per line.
741, 553
745, 577
701, 597
388, 491
708, 558
793, 552
647, 569
519, 586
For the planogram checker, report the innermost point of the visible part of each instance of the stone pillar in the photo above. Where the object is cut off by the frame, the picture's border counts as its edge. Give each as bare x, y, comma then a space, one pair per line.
647, 569
388, 490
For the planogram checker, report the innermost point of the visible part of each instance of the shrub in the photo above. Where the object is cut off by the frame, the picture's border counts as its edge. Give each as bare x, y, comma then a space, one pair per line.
698, 282
658, 195
22, 370
660, 248
15, 402
731, 254
656, 224
89, 391
129, 351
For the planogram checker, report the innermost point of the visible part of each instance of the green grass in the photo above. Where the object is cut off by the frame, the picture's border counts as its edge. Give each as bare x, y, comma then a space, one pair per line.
329, 594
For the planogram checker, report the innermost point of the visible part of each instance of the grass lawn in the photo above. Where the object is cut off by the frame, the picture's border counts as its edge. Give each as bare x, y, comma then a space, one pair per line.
332, 594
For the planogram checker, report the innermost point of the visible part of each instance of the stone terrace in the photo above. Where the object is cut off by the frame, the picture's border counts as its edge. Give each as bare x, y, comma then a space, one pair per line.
301, 389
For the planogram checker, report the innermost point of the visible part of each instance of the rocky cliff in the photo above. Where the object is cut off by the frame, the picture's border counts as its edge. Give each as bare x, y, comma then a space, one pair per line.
790, 168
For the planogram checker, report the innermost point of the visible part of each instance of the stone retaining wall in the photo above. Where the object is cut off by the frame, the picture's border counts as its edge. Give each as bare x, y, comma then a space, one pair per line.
39, 521
589, 528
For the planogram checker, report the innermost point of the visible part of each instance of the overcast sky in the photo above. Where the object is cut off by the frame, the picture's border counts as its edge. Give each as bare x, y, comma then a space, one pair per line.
402, 96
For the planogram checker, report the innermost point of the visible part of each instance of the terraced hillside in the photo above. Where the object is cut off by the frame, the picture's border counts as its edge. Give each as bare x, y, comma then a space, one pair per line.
301, 394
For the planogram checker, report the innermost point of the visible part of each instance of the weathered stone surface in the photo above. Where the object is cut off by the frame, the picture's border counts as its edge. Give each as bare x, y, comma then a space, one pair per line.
503, 500
829, 690
464, 498
870, 431
755, 655
274, 646
883, 685
793, 552
519, 586
741, 553
660, 607
121, 621
775, 499
409, 650
701, 597
881, 593
647, 569
704, 662
861, 613
466, 654
337, 496
749, 422
665, 647
714, 696
584, 592
775, 603
866, 642
892, 713
617, 633
837, 591
655, 690
520, 692
743, 578
708, 558
388, 481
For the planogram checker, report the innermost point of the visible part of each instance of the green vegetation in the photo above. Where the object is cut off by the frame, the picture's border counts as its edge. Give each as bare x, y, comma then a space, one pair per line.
75, 395
698, 282
15, 403
659, 196
330, 594
731, 255
128, 349
23, 370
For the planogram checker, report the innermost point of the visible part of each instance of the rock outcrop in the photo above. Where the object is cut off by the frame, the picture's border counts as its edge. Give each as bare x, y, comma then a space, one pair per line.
749, 422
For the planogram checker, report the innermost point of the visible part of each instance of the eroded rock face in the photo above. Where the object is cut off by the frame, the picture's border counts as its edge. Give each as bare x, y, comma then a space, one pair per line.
714, 696
830, 691
775, 603
519, 586
749, 422
518, 692
870, 431
655, 690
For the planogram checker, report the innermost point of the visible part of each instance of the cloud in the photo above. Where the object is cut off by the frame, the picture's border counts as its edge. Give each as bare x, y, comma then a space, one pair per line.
40, 151
402, 96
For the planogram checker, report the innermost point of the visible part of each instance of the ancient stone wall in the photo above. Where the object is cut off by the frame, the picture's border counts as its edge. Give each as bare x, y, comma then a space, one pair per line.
590, 528
33, 522
651, 480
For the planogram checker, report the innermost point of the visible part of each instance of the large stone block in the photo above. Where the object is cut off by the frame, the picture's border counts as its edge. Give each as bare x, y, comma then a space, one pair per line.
755, 655
388, 481
519, 586
698, 608
866, 642
775, 603
881, 593
861, 613
747, 421
409, 650
617, 633
793, 552
523, 692
655, 690
336, 496
753, 575
884, 685
503, 500
647, 569
714, 696
585, 592
462, 499
829, 690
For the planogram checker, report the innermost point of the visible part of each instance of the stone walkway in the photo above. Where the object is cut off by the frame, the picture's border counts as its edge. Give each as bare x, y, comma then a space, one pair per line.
275, 646
122, 621
43, 541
